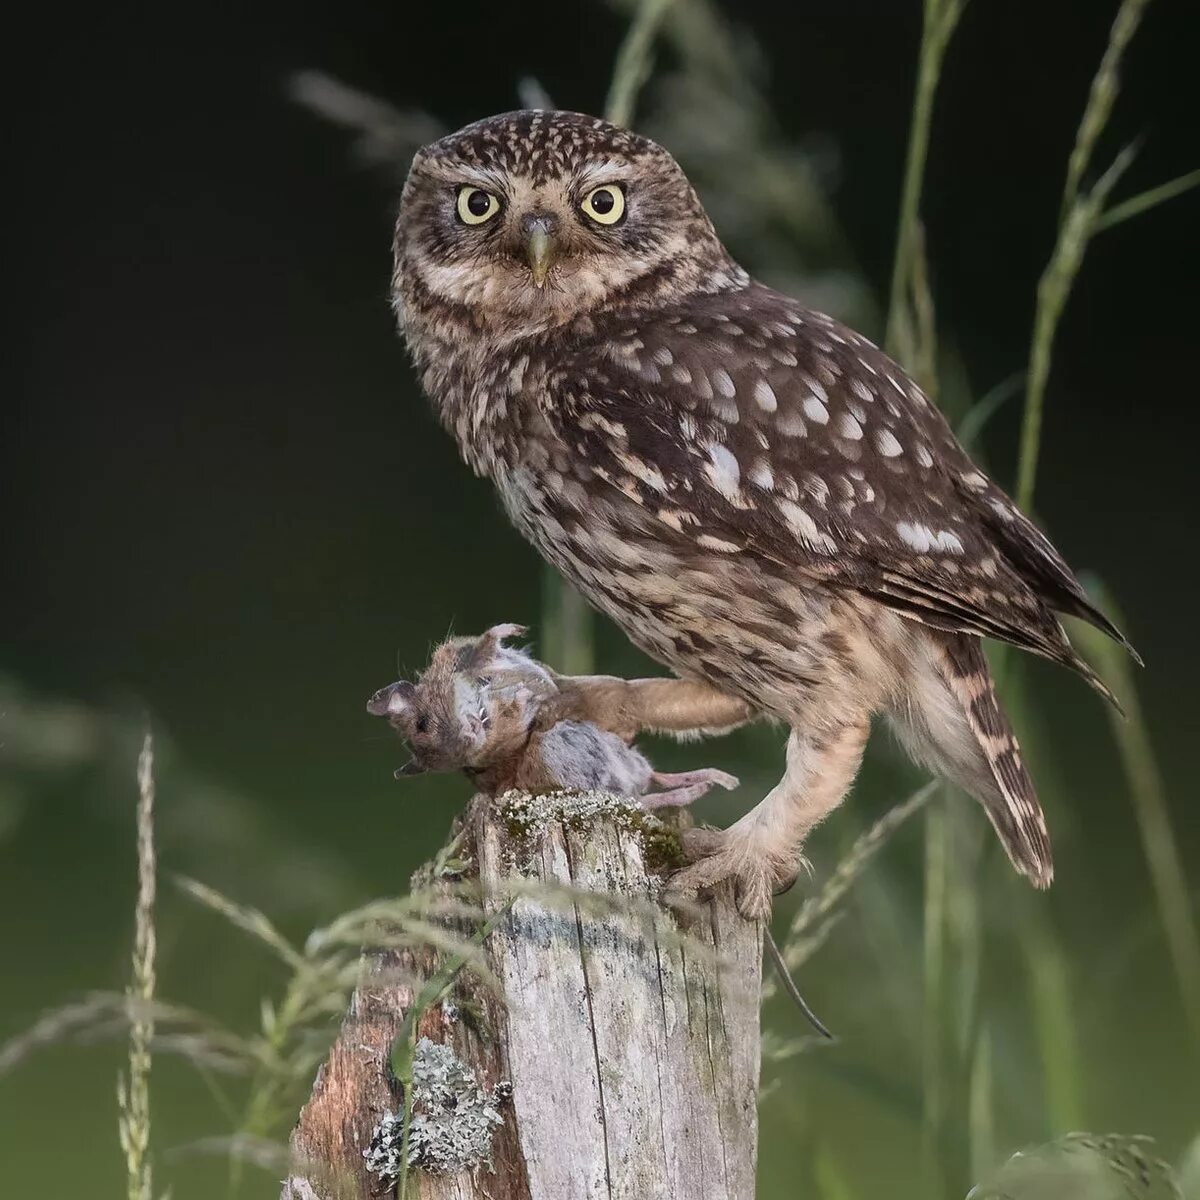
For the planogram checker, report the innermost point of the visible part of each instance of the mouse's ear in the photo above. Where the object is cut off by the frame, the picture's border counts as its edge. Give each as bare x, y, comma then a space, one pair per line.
478, 657
392, 700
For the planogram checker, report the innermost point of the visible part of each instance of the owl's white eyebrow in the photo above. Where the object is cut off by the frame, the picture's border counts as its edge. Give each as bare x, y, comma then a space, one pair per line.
468, 175
607, 170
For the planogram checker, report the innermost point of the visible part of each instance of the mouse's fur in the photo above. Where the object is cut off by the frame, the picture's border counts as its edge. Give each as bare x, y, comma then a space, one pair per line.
492, 710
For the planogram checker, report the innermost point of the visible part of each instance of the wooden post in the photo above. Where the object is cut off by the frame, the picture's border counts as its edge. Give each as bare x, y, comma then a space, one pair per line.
623, 1062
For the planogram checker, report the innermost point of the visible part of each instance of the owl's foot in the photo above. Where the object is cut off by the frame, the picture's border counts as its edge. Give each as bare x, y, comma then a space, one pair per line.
686, 786
757, 877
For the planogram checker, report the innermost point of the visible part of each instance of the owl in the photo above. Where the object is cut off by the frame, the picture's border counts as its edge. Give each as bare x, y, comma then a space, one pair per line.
759, 497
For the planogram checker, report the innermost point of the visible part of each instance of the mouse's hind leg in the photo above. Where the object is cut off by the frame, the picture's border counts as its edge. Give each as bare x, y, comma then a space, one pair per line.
686, 786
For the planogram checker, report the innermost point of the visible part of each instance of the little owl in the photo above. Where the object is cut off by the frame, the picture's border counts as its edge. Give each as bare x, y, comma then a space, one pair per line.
762, 499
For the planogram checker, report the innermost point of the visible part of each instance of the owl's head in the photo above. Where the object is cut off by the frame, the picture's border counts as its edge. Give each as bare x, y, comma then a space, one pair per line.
530, 219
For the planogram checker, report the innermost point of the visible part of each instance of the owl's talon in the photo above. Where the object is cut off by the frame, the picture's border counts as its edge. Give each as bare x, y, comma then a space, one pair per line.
715, 858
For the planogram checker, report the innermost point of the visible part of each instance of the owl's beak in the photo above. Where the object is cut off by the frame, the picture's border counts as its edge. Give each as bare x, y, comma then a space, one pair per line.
541, 247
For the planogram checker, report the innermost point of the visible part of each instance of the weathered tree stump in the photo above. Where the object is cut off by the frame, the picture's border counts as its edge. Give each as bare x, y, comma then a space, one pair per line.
629, 1037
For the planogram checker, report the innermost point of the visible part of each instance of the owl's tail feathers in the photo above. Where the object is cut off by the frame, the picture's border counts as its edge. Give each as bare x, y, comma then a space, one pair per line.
952, 723
1080, 665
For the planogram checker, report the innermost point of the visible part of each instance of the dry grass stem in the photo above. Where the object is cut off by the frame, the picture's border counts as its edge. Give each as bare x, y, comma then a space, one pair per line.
133, 1092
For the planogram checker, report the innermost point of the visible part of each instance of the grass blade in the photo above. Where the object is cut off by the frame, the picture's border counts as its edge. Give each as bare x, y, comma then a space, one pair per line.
1054, 289
1147, 794
933, 1025
1144, 201
941, 16
247, 919
1079, 215
634, 62
1101, 97
815, 911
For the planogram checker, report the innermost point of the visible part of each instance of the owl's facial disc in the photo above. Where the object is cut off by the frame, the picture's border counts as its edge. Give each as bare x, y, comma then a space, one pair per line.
528, 220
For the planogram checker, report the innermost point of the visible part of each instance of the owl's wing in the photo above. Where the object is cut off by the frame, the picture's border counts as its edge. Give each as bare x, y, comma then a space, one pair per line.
752, 426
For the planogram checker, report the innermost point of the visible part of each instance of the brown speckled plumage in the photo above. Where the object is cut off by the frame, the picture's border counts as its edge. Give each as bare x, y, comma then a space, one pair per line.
757, 495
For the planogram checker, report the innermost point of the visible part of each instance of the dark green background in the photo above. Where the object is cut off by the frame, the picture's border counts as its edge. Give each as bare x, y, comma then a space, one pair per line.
226, 503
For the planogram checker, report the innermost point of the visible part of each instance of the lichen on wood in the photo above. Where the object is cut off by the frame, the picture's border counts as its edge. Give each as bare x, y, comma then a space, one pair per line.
453, 1120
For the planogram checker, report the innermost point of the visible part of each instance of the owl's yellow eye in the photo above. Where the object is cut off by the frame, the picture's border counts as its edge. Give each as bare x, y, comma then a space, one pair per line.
605, 204
476, 206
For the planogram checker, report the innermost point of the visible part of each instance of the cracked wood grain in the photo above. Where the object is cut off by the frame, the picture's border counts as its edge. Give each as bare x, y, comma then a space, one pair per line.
631, 1041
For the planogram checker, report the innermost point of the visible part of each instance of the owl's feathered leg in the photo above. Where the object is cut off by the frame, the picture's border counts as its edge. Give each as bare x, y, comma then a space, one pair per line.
951, 721
762, 852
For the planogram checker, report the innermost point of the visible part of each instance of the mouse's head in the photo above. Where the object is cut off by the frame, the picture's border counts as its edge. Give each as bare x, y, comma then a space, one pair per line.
472, 706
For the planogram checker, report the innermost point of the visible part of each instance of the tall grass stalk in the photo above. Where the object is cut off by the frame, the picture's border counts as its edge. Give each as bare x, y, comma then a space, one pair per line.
566, 641
1102, 96
634, 60
933, 1024
1054, 1024
1054, 288
941, 17
133, 1091
1078, 218
912, 338
1150, 808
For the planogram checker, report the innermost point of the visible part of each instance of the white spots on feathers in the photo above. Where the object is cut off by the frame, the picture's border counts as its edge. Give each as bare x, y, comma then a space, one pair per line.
595, 420
681, 374
859, 387
790, 424
764, 396
714, 543
723, 383
639, 468
923, 539
1003, 509
815, 410
677, 517
723, 471
923, 456
816, 487
848, 427
886, 444
761, 475
663, 356
805, 527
